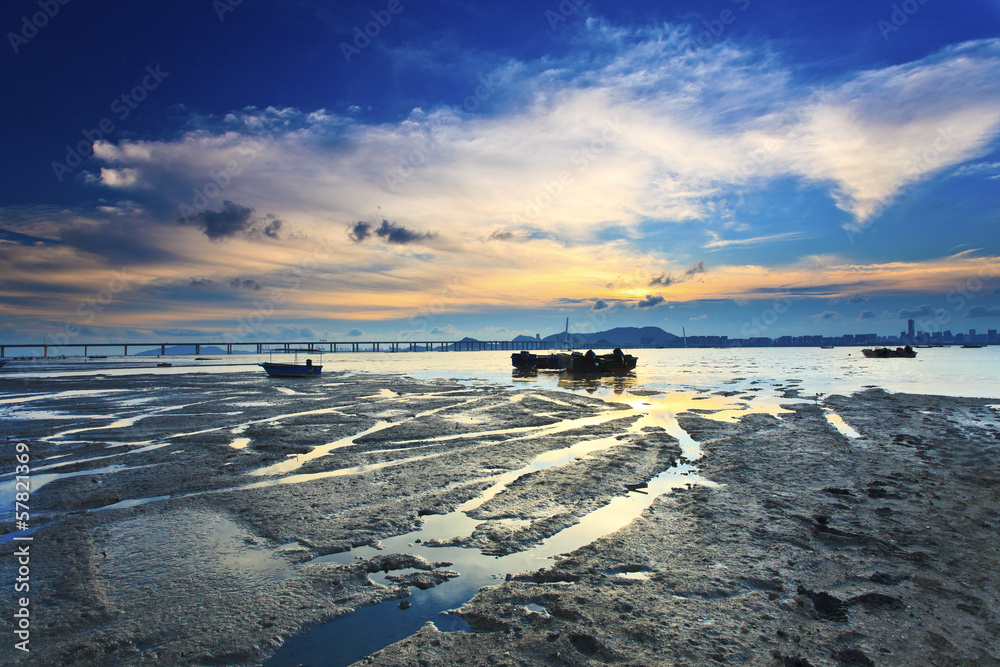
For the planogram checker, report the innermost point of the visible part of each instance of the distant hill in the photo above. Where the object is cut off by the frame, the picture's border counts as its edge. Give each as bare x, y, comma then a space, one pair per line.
617, 337
524, 339
184, 350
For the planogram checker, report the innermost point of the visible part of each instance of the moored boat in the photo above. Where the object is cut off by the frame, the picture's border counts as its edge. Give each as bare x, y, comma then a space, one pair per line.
291, 370
525, 359
615, 363
885, 353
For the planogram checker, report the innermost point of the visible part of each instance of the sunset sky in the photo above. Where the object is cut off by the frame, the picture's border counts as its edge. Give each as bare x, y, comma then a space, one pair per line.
433, 169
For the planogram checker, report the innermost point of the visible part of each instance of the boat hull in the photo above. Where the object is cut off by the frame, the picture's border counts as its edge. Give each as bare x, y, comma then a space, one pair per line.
886, 353
598, 364
525, 360
291, 370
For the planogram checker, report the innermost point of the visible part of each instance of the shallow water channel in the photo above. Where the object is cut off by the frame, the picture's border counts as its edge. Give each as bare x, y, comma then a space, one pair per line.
350, 638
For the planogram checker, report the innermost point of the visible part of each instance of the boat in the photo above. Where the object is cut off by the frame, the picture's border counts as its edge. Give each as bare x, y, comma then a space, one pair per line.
525, 360
291, 370
826, 347
971, 347
615, 363
294, 369
885, 353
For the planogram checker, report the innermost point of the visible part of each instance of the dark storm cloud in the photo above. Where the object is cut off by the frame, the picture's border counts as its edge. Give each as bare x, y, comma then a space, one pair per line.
651, 301
390, 232
663, 280
233, 219
247, 284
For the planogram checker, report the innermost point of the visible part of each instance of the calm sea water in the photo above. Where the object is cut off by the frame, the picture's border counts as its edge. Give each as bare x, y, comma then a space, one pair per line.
944, 371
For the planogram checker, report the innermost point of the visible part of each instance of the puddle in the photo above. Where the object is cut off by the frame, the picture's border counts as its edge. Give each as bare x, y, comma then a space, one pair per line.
353, 636
838, 423
8, 488
240, 443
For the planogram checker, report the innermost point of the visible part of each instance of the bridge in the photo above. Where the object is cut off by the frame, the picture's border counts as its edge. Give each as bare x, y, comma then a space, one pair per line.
327, 347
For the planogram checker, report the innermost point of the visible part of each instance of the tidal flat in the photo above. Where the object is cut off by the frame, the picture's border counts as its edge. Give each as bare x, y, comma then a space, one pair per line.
231, 519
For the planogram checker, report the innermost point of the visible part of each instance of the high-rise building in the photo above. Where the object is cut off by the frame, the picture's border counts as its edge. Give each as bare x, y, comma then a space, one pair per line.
909, 330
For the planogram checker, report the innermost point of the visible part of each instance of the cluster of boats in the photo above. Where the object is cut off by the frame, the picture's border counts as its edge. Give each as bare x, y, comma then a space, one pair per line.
615, 363
886, 353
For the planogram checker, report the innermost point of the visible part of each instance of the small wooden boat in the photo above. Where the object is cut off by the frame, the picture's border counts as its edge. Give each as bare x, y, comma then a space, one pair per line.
294, 369
525, 360
291, 370
885, 353
612, 364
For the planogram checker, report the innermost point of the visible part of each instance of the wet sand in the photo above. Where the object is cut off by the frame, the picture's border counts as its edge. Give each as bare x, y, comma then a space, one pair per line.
211, 518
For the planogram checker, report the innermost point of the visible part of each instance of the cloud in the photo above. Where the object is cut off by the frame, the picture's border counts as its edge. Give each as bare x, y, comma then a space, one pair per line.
867, 315
600, 304
695, 269
354, 333
858, 298
7, 236
650, 301
202, 282
982, 311
390, 232
662, 280
716, 242
919, 311
245, 284
360, 231
229, 221
827, 315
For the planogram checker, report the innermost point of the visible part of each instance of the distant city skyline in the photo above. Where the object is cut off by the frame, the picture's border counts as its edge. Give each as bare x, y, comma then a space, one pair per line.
275, 170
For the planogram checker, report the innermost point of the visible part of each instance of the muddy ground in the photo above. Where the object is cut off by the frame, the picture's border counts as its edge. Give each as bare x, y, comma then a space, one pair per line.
815, 548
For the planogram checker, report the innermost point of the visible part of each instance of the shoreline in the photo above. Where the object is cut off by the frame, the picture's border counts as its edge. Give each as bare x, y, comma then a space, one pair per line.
833, 542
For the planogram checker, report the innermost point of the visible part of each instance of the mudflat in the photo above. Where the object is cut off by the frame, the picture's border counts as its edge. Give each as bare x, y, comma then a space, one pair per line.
195, 516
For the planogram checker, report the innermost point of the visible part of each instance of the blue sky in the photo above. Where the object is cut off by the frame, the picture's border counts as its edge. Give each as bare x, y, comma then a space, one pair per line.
268, 170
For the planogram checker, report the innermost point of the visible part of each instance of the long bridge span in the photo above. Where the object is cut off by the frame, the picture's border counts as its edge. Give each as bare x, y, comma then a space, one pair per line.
327, 347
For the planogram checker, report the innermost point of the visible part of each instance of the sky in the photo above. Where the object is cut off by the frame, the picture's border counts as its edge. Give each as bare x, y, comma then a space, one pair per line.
413, 170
